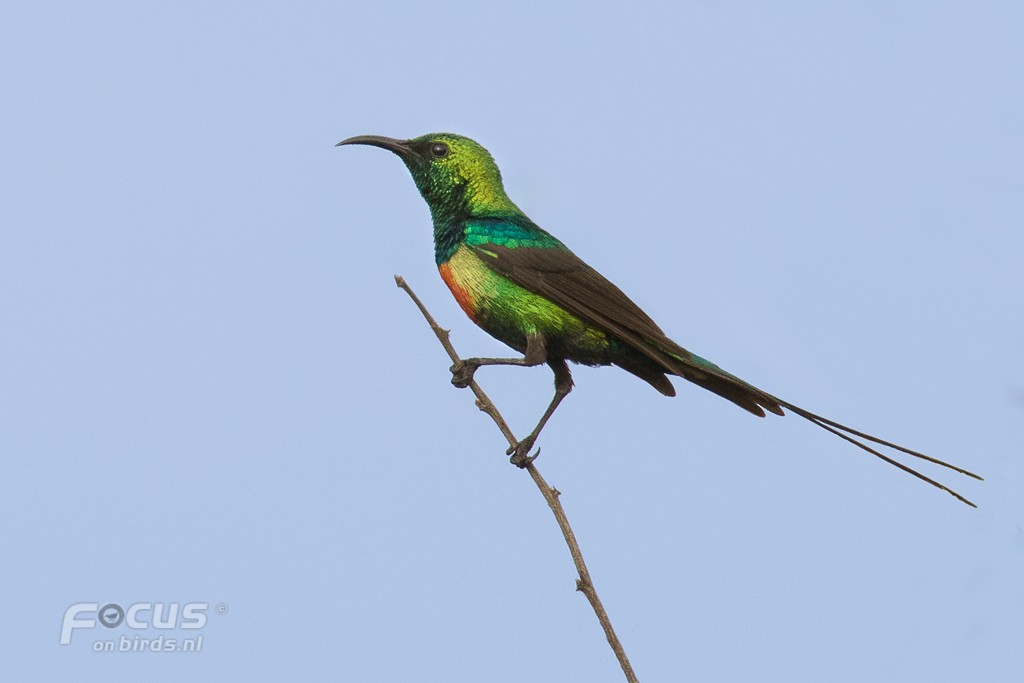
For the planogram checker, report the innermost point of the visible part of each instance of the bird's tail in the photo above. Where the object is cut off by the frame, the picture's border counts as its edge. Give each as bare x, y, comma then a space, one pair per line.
708, 375
853, 436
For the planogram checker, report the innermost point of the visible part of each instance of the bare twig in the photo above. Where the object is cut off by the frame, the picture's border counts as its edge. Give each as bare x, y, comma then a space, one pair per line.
583, 583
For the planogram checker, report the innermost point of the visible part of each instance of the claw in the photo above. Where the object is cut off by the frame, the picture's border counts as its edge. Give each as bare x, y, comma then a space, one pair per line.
521, 453
462, 374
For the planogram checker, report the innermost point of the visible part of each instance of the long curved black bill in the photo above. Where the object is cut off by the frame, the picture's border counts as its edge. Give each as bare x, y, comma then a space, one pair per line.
399, 147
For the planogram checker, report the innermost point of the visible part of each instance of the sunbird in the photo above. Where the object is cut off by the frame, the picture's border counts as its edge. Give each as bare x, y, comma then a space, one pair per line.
522, 286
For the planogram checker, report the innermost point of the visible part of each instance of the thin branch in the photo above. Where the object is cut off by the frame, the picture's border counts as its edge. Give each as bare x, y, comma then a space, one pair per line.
583, 583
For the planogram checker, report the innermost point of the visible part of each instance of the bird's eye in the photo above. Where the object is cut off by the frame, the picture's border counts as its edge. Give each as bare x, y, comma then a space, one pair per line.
439, 149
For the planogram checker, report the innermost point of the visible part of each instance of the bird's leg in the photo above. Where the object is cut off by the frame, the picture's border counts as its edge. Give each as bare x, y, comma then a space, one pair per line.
536, 353
563, 385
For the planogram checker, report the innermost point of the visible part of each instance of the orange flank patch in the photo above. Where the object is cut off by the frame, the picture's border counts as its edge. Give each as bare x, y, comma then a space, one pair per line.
460, 293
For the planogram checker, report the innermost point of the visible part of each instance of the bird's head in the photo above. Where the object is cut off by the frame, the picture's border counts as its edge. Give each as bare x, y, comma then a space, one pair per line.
456, 176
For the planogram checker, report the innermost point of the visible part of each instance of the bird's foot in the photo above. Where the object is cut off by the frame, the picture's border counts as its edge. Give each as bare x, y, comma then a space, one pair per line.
521, 453
462, 373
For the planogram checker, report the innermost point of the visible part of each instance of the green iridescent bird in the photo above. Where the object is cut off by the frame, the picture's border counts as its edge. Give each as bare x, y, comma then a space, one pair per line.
525, 288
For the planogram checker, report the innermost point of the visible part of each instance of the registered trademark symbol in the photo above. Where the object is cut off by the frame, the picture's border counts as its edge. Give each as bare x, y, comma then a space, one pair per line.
222, 608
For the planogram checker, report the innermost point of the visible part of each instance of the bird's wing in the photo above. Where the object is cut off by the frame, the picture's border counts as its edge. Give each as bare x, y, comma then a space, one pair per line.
563, 278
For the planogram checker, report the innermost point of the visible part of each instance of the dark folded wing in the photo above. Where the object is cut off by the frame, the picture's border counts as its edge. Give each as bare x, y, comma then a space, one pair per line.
562, 277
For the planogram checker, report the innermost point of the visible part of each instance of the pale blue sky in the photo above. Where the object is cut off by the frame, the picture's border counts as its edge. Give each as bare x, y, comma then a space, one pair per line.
211, 391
